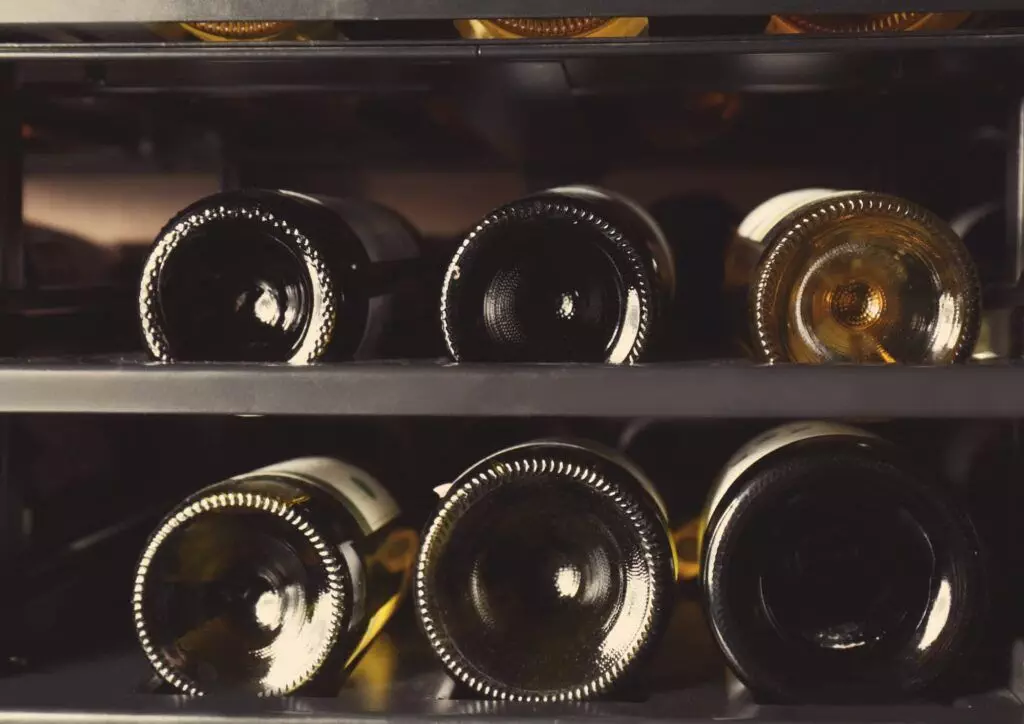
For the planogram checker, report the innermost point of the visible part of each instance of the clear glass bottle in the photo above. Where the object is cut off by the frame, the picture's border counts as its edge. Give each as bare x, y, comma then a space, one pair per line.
852, 276
834, 570
272, 581
571, 274
868, 23
547, 572
589, 27
275, 276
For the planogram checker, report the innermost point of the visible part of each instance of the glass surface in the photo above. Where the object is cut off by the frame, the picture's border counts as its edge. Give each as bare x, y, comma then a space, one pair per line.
843, 571
836, 576
238, 600
233, 292
541, 290
870, 288
542, 586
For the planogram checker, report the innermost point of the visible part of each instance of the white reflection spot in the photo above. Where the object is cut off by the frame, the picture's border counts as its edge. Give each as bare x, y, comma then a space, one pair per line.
938, 616
567, 581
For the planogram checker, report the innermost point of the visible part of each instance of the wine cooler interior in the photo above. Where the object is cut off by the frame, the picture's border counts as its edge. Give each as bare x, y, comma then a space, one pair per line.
115, 122
89, 490
105, 168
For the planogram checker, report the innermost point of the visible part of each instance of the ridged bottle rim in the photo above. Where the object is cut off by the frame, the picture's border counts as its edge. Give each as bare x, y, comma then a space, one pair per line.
323, 314
563, 208
550, 27
867, 23
326, 558
798, 228
240, 29
491, 474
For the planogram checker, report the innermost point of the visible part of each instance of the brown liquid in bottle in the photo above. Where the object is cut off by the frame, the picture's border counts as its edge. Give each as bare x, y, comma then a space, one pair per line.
854, 277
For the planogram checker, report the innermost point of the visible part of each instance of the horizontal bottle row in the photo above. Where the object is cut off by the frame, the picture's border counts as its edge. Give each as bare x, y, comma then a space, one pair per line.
583, 27
831, 568
565, 27
571, 274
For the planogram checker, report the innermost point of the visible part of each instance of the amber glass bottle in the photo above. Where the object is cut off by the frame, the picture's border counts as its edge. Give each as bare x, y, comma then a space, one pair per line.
851, 276
871, 23
551, 27
272, 581
255, 30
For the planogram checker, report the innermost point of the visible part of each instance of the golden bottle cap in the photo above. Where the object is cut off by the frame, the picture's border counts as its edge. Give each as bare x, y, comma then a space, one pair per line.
872, 23
241, 30
864, 277
551, 28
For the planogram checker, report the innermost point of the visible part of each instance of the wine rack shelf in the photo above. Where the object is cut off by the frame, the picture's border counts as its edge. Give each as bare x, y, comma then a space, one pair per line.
729, 389
752, 63
1007, 40
105, 11
110, 689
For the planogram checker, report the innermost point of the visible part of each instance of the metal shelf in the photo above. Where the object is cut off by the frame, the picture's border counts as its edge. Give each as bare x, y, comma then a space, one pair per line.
729, 389
101, 690
751, 63
140, 11
525, 49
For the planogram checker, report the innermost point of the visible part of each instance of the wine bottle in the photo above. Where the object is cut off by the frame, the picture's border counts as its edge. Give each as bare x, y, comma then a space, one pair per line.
275, 276
854, 276
983, 229
272, 581
834, 570
868, 23
588, 27
246, 30
571, 274
547, 572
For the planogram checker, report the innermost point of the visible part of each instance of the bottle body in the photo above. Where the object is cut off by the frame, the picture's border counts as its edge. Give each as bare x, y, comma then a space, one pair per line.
572, 274
589, 27
983, 228
851, 276
272, 581
833, 571
274, 276
546, 573
869, 23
